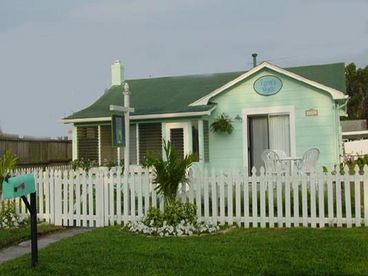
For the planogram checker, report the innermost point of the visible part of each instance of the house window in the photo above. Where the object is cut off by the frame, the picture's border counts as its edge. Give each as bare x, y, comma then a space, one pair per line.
195, 141
150, 139
87, 142
206, 141
108, 152
133, 144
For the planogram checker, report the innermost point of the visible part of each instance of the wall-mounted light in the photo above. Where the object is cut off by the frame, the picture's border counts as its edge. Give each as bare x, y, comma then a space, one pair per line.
238, 118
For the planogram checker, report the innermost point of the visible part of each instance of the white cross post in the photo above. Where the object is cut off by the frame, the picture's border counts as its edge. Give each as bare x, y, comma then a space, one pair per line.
126, 109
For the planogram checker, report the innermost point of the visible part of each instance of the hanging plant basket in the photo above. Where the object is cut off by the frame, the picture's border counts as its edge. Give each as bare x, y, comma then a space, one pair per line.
222, 124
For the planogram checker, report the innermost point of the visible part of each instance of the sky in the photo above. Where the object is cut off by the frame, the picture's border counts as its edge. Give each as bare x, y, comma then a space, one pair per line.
55, 56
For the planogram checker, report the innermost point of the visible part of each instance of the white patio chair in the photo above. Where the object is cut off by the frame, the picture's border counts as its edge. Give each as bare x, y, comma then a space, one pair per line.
280, 153
272, 162
309, 161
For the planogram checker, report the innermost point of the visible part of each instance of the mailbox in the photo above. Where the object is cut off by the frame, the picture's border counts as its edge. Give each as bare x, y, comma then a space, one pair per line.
18, 186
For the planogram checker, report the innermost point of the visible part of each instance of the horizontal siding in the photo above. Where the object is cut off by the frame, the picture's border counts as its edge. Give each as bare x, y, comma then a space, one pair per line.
314, 131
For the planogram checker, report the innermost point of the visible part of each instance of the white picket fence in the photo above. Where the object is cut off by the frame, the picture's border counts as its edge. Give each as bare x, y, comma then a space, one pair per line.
102, 197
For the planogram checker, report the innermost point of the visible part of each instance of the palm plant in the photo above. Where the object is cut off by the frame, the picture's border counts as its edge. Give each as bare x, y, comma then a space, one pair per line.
7, 163
169, 172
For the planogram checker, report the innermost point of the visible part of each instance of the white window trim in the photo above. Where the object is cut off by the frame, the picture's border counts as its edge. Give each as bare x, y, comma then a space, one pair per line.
290, 110
187, 134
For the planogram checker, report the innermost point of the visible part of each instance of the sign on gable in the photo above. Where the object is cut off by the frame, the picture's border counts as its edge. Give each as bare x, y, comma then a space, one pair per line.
267, 85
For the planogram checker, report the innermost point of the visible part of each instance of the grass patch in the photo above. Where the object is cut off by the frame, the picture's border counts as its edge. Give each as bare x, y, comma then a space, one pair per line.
13, 236
111, 251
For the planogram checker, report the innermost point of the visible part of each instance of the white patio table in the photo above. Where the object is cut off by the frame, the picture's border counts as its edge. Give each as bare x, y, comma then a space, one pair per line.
291, 161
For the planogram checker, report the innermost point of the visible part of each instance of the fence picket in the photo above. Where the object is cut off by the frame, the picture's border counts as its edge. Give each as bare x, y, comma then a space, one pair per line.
254, 198
146, 187
90, 214
206, 196
139, 193
41, 178
313, 200
246, 198
262, 191
365, 190
58, 199
237, 198
132, 197
214, 196
230, 209
100, 196
357, 180
126, 198
321, 202
270, 186
48, 187
222, 197
287, 202
71, 199
280, 180
65, 181
304, 202
78, 198
347, 197
330, 200
118, 195
338, 200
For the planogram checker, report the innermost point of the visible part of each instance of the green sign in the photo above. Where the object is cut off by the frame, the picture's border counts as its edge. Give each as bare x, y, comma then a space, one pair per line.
118, 127
18, 186
267, 85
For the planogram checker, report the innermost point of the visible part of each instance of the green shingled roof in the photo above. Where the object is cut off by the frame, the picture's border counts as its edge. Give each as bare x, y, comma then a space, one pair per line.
174, 94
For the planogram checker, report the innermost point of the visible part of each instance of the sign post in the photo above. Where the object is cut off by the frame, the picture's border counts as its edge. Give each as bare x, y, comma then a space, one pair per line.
117, 126
21, 186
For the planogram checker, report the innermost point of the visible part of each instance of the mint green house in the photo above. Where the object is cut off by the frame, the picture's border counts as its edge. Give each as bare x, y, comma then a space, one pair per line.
291, 110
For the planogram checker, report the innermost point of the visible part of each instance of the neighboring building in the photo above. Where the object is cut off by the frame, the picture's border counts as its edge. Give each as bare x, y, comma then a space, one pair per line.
291, 109
355, 137
354, 130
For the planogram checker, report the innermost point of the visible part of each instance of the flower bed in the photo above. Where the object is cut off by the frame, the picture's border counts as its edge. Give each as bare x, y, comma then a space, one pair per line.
181, 229
178, 219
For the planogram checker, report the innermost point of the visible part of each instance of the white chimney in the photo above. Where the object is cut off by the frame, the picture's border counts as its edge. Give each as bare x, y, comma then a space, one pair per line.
117, 73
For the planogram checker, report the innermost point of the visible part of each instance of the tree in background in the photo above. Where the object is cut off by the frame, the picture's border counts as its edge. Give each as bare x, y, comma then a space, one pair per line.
357, 89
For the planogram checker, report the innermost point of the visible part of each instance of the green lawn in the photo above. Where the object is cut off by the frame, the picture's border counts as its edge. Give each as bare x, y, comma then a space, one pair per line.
110, 251
13, 236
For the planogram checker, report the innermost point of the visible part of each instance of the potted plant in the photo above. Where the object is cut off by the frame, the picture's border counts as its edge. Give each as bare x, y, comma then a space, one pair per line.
223, 124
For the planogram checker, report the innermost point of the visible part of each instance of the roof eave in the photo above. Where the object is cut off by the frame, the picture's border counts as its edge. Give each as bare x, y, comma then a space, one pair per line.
142, 117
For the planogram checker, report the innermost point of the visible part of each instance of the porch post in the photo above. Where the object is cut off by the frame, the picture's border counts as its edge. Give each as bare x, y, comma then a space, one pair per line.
74, 143
201, 141
99, 144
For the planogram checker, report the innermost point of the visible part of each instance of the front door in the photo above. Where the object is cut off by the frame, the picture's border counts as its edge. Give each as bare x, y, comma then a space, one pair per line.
179, 135
270, 131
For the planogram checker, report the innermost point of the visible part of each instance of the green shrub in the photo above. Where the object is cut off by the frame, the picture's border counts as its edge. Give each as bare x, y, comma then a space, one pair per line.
154, 217
174, 213
178, 211
85, 164
8, 216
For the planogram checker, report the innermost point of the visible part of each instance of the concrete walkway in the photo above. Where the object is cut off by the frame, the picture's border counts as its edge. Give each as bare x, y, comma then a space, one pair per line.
16, 251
